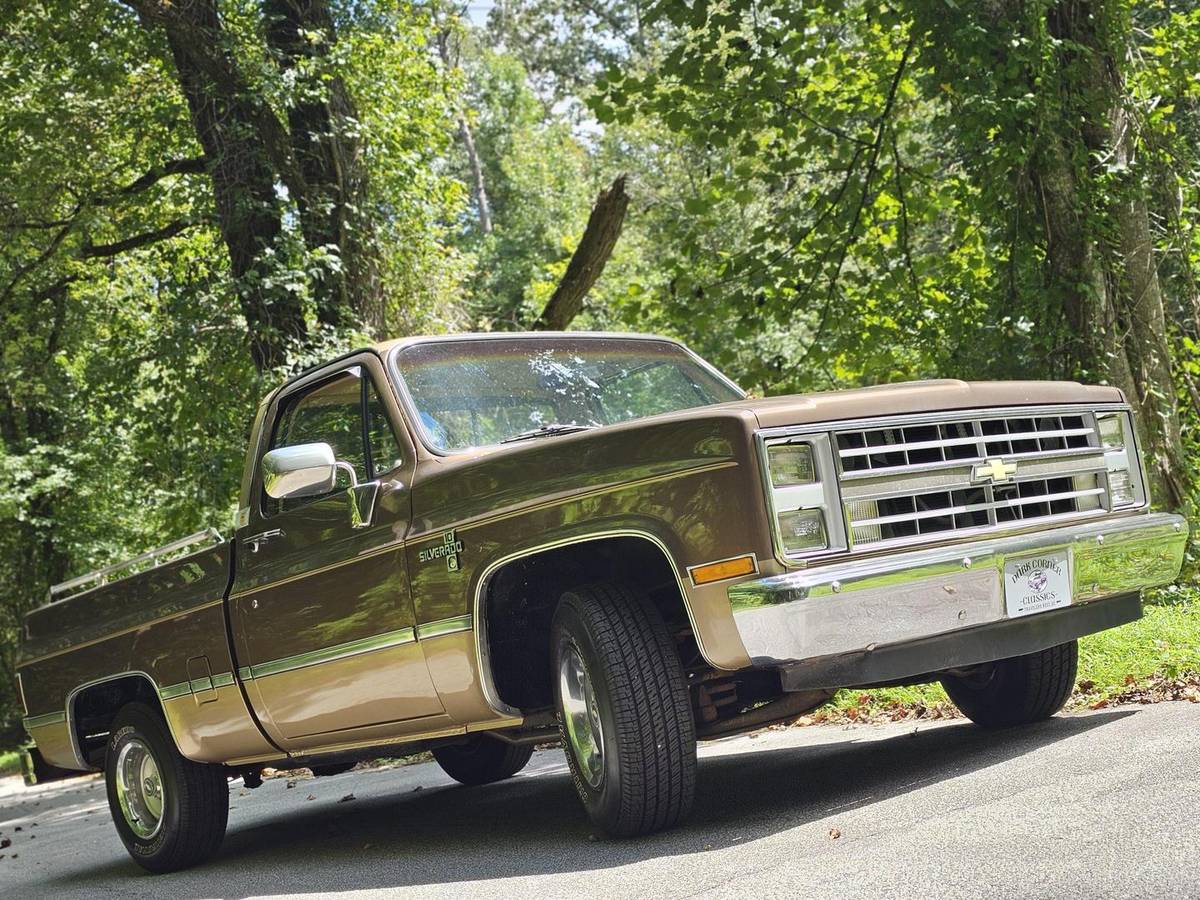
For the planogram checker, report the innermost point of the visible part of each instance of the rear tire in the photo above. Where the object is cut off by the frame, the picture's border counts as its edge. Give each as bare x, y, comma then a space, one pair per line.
1018, 690
482, 759
624, 712
170, 812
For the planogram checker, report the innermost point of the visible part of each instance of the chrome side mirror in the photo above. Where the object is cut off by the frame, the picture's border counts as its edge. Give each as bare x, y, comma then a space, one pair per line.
305, 470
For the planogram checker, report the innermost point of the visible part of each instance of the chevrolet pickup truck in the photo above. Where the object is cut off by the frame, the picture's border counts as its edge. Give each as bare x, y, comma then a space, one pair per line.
472, 544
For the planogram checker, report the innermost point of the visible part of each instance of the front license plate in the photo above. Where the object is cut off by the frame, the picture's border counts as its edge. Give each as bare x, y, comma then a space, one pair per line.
1034, 584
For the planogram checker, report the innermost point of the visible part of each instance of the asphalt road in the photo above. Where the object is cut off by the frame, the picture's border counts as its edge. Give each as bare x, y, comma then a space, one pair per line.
1095, 805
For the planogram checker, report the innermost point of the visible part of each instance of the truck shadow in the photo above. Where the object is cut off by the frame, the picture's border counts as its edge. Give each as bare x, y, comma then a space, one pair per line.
533, 824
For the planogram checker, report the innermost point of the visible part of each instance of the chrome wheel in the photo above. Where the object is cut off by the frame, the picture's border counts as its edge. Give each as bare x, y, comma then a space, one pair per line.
581, 716
140, 789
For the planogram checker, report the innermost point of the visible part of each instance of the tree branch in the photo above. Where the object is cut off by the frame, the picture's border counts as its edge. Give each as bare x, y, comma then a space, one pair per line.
589, 259
92, 251
905, 242
195, 32
195, 166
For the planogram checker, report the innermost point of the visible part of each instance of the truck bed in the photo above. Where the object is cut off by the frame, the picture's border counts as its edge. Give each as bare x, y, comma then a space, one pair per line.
137, 600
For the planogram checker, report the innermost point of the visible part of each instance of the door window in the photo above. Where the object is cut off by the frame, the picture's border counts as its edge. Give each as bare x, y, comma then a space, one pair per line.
385, 449
329, 412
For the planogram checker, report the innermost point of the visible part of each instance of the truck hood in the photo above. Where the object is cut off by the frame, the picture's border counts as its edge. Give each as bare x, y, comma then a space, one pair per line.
918, 397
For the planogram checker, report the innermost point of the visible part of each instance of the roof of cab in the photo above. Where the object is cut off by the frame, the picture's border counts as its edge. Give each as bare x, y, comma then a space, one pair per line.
383, 347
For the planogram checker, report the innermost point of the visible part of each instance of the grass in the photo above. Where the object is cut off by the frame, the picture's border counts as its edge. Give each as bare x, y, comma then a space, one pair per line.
10, 762
1165, 642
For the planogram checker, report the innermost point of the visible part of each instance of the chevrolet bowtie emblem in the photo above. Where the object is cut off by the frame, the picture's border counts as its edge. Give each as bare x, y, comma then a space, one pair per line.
994, 470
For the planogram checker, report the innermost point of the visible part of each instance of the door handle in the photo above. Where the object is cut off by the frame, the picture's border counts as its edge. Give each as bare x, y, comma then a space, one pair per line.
257, 540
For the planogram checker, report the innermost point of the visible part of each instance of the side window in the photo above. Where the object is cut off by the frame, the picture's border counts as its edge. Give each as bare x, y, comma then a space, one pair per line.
329, 412
385, 449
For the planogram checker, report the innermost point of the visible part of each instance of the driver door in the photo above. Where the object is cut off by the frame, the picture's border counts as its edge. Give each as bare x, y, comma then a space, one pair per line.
323, 619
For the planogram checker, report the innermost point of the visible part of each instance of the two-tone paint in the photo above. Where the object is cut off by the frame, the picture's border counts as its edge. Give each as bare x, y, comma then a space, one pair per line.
305, 634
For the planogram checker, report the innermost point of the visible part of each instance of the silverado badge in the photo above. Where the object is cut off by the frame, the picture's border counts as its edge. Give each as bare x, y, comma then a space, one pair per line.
448, 550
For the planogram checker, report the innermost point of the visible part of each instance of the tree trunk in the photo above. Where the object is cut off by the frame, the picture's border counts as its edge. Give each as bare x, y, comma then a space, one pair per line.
1131, 321
478, 184
589, 259
322, 123
238, 141
1099, 259
449, 58
317, 157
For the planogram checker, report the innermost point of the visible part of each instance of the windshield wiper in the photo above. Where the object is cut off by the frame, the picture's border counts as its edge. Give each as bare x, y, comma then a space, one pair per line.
547, 430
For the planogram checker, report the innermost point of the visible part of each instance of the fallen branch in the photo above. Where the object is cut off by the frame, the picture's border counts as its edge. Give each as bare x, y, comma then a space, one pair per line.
589, 259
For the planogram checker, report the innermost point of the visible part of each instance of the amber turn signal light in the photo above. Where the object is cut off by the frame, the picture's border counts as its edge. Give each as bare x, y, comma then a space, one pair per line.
726, 568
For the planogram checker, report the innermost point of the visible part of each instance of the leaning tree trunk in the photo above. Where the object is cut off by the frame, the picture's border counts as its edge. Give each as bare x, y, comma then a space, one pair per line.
478, 182
589, 259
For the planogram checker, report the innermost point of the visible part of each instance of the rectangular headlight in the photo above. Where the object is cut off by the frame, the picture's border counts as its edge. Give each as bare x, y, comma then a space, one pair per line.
1120, 488
1125, 487
791, 464
1112, 430
802, 530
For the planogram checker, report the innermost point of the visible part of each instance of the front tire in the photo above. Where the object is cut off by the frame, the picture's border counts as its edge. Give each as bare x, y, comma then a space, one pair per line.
1018, 690
624, 712
170, 812
482, 759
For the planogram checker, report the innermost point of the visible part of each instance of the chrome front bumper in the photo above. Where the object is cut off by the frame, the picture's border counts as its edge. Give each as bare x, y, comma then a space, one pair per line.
857, 609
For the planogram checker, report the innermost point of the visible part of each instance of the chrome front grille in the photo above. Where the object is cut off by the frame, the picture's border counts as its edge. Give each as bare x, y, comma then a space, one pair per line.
914, 481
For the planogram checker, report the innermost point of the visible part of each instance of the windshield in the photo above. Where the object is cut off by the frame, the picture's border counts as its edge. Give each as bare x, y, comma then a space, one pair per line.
469, 393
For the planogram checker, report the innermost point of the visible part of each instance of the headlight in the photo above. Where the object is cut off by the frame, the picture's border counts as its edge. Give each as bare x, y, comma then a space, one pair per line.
803, 495
802, 530
1125, 486
1120, 488
791, 464
1112, 430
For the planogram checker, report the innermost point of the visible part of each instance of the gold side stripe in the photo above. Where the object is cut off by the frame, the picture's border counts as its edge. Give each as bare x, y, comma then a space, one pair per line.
453, 625
328, 654
54, 718
116, 634
185, 688
171, 691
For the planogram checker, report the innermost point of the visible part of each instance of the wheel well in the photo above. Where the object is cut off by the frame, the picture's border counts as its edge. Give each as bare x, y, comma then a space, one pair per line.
521, 598
94, 708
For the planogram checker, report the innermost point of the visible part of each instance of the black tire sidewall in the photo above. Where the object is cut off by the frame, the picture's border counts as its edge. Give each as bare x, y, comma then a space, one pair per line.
138, 721
483, 759
1008, 698
570, 630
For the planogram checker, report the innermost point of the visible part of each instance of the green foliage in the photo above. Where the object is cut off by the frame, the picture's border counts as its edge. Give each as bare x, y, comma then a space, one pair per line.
538, 182
10, 762
403, 103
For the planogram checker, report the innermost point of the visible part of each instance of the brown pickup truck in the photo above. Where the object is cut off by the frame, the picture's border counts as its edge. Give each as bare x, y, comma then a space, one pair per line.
472, 544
